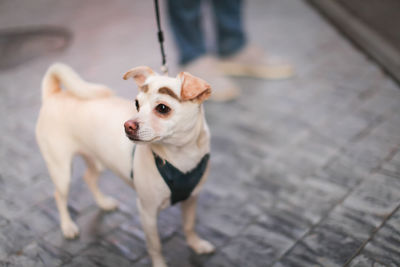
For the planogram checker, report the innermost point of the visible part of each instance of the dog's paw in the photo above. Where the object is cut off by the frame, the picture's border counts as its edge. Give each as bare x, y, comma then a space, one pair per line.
201, 246
107, 203
70, 230
159, 263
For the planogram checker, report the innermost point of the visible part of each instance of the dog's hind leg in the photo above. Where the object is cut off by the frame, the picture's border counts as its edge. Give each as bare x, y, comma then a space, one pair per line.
60, 172
91, 177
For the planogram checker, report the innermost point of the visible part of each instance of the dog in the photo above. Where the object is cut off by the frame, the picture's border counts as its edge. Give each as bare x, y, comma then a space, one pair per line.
158, 144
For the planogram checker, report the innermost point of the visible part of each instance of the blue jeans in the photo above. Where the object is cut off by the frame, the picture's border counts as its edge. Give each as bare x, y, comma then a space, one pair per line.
185, 17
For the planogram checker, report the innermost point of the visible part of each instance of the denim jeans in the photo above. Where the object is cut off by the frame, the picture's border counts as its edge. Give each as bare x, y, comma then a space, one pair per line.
185, 17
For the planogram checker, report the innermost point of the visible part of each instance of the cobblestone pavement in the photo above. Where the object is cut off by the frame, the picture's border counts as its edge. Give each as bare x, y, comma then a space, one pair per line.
305, 172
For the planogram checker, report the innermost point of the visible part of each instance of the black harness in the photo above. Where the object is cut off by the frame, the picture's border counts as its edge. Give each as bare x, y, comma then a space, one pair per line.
180, 184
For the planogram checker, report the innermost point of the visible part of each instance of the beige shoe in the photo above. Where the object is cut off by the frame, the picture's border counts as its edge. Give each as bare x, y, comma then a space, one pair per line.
206, 68
251, 61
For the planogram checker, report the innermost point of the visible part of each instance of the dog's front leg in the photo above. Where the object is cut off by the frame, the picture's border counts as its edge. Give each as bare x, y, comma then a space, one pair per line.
148, 217
200, 246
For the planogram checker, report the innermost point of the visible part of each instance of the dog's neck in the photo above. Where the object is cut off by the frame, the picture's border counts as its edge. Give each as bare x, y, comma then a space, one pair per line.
187, 154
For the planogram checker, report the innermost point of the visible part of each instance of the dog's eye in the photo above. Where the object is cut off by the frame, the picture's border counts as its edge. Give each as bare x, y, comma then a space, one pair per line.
162, 109
137, 104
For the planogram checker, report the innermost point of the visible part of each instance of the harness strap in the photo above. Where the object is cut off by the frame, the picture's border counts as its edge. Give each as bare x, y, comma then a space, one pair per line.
133, 155
180, 184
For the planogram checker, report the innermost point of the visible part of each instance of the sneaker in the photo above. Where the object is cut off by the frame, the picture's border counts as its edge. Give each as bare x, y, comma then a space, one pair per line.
206, 67
252, 61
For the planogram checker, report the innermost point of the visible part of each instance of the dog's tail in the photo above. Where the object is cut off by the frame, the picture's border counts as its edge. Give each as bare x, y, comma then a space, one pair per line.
60, 74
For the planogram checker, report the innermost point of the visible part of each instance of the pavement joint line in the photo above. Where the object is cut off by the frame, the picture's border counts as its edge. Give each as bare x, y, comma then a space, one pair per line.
373, 125
368, 129
387, 217
389, 173
390, 155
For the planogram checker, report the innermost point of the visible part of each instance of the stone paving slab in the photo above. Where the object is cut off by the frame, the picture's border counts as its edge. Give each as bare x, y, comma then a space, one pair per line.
304, 172
383, 249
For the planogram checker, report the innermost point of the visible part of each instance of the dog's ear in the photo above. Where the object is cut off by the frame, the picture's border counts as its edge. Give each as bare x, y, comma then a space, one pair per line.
139, 74
194, 88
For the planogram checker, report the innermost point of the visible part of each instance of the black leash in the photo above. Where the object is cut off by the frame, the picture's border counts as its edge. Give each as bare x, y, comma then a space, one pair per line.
160, 35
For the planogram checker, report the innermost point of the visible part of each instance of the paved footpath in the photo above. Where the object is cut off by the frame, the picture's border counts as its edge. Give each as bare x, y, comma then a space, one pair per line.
305, 172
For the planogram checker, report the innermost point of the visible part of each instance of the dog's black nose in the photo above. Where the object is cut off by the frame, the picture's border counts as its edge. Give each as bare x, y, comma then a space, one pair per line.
131, 127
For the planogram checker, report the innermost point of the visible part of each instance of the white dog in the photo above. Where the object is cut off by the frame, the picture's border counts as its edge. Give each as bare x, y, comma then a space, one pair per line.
169, 165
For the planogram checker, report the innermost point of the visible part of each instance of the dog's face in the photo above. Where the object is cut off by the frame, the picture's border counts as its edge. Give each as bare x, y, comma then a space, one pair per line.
167, 109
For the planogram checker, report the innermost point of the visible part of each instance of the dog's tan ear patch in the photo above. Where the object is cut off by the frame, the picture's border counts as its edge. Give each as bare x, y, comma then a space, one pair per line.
194, 88
139, 74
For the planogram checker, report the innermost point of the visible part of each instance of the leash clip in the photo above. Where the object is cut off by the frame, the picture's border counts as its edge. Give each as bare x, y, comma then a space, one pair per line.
164, 69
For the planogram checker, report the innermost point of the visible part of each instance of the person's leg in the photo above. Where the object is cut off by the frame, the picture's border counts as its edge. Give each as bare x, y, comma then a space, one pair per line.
229, 25
185, 18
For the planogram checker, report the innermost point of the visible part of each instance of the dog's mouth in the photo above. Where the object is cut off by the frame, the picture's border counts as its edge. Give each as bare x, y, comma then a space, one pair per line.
133, 138
136, 139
